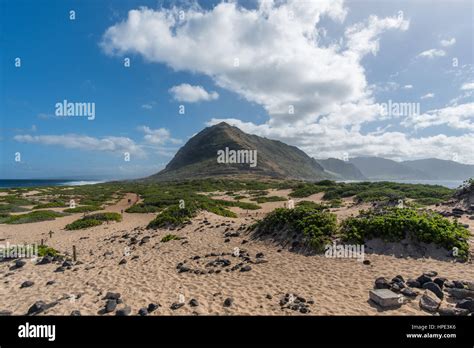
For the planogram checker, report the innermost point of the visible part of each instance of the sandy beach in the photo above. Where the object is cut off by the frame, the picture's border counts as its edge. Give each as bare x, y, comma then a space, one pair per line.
126, 258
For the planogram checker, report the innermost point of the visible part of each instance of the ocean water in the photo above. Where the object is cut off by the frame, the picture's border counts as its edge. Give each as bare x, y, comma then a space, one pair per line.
37, 183
446, 183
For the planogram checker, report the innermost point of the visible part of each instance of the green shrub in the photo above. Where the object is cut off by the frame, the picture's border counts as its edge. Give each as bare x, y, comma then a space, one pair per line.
265, 199
93, 220
395, 224
316, 225
173, 216
169, 237
52, 204
34, 216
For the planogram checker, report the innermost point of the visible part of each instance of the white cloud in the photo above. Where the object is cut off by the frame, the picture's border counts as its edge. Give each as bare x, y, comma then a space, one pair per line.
408, 87
432, 53
113, 144
427, 95
271, 44
192, 94
158, 136
447, 43
467, 86
457, 117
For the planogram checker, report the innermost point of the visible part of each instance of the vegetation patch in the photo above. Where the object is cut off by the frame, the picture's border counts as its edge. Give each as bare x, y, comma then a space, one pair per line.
93, 220
52, 204
265, 199
395, 224
169, 237
317, 226
34, 216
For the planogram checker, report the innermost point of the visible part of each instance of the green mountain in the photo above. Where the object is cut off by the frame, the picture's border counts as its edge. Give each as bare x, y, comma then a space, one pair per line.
200, 157
342, 170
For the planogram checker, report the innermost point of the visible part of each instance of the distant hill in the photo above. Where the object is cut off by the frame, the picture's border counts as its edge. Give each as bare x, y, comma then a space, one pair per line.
198, 158
341, 169
442, 169
377, 168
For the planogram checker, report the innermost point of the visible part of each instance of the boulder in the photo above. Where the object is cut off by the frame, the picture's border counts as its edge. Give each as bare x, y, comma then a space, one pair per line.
429, 301
423, 279
110, 306
27, 284
381, 283
451, 311
467, 304
123, 312
385, 298
460, 294
434, 288
413, 283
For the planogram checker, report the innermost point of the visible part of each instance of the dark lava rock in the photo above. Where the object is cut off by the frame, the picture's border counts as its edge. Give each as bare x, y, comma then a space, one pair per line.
245, 268
152, 306
408, 292
434, 288
423, 279
45, 260
75, 313
228, 302
429, 301
50, 282
111, 296
67, 264
19, 263
445, 312
366, 262
40, 306
458, 284
110, 306
460, 294
448, 284
123, 312
440, 281
259, 255
59, 269
176, 306
27, 284
142, 312
193, 303
122, 262
413, 283
381, 283
398, 279
466, 304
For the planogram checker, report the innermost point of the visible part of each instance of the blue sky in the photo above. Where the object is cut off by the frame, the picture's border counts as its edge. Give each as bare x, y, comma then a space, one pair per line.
335, 63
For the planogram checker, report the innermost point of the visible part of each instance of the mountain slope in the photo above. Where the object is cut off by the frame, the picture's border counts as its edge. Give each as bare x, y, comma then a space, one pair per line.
442, 169
341, 169
198, 158
384, 169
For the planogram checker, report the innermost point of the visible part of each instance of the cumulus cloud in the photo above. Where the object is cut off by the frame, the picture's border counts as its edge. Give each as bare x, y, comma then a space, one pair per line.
467, 86
260, 54
448, 42
160, 136
112, 144
458, 117
192, 94
408, 87
432, 53
427, 95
